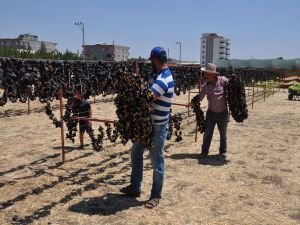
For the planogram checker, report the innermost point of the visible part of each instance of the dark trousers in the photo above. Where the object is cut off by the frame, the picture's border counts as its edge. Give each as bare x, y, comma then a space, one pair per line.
213, 118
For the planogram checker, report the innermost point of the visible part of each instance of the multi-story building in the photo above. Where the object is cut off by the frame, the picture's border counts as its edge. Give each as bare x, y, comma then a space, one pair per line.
27, 41
213, 47
106, 52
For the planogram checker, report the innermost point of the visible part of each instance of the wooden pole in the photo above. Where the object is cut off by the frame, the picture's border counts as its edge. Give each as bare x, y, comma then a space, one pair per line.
255, 84
200, 84
136, 67
265, 89
196, 133
93, 119
94, 99
62, 135
253, 95
189, 98
279, 86
178, 104
282, 79
28, 106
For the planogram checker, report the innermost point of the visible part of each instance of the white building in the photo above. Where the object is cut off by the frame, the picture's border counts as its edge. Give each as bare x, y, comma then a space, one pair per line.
27, 41
213, 47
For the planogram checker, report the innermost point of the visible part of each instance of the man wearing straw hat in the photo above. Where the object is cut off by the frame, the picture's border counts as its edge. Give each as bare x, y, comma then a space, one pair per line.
217, 113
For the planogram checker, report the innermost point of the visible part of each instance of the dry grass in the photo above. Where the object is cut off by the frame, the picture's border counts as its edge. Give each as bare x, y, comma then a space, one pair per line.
259, 185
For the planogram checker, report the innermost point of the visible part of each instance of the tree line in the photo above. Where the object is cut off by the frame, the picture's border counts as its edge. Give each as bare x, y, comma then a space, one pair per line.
42, 53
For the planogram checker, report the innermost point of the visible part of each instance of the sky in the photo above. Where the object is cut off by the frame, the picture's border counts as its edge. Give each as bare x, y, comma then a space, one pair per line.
257, 29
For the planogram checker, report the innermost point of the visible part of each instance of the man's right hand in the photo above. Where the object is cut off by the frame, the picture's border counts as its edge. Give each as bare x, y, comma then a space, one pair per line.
188, 105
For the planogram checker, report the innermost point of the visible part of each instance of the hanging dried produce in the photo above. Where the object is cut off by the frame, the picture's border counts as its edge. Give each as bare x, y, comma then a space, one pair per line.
236, 98
49, 112
112, 134
71, 109
34, 79
175, 123
134, 107
200, 119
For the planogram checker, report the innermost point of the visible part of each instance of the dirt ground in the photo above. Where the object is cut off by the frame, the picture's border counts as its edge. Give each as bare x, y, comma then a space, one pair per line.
260, 183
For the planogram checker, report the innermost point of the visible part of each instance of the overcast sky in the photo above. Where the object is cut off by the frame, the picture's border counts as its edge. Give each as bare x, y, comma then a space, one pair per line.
257, 28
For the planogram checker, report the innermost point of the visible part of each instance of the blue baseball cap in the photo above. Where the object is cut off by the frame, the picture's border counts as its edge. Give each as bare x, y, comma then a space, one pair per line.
158, 52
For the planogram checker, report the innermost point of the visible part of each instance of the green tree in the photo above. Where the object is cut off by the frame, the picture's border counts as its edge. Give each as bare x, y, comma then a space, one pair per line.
40, 54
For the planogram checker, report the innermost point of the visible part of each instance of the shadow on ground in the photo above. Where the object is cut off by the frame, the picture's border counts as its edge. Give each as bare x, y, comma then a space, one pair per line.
70, 147
211, 160
106, 205
184, 156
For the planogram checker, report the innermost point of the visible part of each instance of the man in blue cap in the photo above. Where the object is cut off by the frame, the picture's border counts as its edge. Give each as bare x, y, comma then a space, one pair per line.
162, 90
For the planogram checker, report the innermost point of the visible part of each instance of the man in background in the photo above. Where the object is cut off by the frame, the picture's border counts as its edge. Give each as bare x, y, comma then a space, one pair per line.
217, 113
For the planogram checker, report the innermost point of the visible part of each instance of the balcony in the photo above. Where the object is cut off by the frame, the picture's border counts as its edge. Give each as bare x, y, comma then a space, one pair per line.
221, 52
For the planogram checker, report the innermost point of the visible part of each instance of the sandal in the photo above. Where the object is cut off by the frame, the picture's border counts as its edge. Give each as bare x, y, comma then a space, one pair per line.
152, 203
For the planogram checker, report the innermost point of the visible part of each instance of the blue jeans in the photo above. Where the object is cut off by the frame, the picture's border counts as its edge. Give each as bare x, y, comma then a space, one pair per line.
157, 160
213, 118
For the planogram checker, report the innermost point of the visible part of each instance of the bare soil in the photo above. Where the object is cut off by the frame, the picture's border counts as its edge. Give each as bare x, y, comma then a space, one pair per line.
259, 184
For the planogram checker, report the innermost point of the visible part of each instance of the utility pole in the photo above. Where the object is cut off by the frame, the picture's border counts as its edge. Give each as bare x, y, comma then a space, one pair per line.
179, 43
168, 53
81, 25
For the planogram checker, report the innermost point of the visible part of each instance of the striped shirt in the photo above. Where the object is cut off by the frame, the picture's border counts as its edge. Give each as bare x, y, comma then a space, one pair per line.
163, 88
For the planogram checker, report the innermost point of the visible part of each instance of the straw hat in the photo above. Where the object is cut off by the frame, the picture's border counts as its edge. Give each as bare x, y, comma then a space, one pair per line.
210, 68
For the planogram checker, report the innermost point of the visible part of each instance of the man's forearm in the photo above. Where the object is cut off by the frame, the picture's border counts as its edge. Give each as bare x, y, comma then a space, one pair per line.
201, 94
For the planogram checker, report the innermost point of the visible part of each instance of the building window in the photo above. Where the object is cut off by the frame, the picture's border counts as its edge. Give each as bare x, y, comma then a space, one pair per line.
203, 57
203, 52
203, 62
203, 41
203, 46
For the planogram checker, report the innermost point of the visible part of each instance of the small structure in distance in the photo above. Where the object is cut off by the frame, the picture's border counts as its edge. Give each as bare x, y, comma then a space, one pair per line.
106, 52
